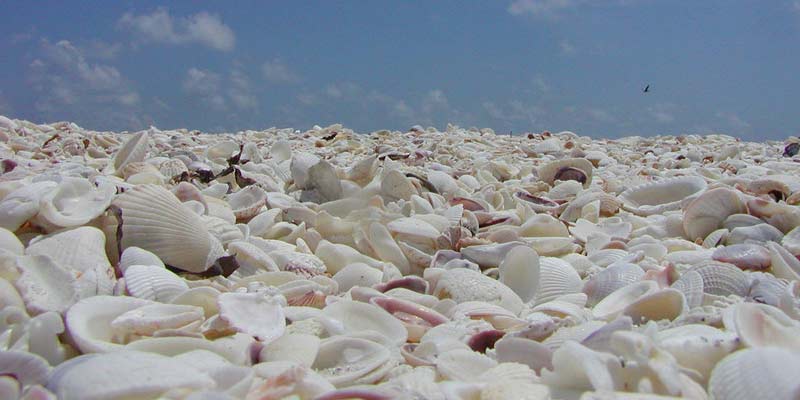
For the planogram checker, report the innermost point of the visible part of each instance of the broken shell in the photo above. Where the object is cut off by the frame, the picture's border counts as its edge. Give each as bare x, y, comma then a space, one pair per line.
661, 196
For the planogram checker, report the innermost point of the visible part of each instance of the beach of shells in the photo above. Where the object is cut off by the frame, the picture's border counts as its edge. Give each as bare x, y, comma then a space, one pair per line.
457, 264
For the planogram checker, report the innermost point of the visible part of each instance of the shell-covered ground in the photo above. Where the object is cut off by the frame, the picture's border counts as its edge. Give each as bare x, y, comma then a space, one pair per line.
462, 264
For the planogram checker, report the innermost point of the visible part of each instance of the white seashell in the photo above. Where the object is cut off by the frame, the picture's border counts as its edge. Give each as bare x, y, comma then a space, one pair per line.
554, 170
246, 202
761, 325
172, 168
153, 282
723, 279
294, 347
224, 231
147, 375
154, 219
345, 361
88, 321
358, 317
74, 202
690, 284
386, 248
519, 270
467, 285
616, 303
395, 186
715, 238
322, 178
23, 204
577, 367
357, 274
661, 196
137, 256
44, 286
152, 319
80, 249
489, 255
756, 233
707, 212
255, 314
556, 278
663, 304
133, 150
463, 365
27, 369
610, 279
414, 227
784, 264
732, 378
10, 244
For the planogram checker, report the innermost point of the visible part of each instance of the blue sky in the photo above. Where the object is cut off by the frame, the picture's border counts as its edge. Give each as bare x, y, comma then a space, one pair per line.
522, 65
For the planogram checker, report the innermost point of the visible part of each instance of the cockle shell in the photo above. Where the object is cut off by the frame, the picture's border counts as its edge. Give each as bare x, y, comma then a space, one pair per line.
708, 211
660, 196
556, 278
731, 378
610, 279
153, 219
153, 282
137, 256
133, 150
723, 279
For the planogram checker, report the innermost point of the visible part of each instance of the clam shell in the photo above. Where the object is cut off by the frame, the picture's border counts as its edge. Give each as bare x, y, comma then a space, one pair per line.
133, 150
23, 204
745, 256
247, 202
732, 379
137, 256
88, 321
519, 270
616, 303
784, 264
357, 317
549, 171
153, 219
707, 212
153, 282
664, 304
661, 196
357, 274
345, 361
252, 313
74, 202
294, 347
556, 278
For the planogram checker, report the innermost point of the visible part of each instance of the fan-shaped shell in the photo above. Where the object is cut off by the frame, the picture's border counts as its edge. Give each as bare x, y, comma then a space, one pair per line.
610, 279
732, 378
154, 219
661, 196
723, 279
616, 303
707, 212
153, 282
133, 150
556, 278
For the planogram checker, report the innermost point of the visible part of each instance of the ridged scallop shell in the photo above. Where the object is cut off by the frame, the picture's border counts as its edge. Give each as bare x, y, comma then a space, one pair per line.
172, 168
556, 278
690, 284
549, 171
346, 361
74, 202
610, 279
707, 212
661, 196
462, 285
246, 202
137, 256
133, 150
723, 279
153, 282
733, 379
154, 219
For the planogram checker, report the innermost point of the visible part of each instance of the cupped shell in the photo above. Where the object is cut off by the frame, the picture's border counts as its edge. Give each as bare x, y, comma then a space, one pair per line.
707, 212
733, 378
661, 196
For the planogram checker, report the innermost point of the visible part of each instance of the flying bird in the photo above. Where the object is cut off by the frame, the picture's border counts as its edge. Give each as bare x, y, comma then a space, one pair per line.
646, 89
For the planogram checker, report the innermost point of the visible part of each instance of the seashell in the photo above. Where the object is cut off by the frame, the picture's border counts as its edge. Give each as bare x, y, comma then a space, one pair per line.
761, 325
618, 301
707, 212
247, 202
463, 365
489, 255
44, 286
609, 205
577, 367
664, 304
153, 282
27, 369
556, 278
690, 284
294, 347
386, 248
745, 256
133, 150
80, 249
137, 256
222, 150
416, 318
346, 361
731, 378
759, 233
224, 231
153, 319
784, 264
147, 375
543, 225
74, 202
395, 186
22, 204
357, 274
524, 351
88, 321
715, 238
153, 219
252, 313
413, 227
467, 285
610, 279
740, 220
519, 270
723, 279
172, 168
357, 317
323, 179
661, 196
576, 169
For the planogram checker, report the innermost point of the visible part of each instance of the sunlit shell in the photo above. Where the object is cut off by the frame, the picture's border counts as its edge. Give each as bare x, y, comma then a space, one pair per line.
153, 282
569, 169
661, 196
75, 202
707, 212
252, 313
133, 150
732, 379
345, 361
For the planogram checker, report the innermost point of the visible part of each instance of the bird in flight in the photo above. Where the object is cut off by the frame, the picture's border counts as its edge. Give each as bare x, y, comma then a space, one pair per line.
646, 89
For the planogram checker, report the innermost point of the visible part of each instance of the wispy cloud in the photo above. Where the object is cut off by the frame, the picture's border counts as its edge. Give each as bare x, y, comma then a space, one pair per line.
211, 89
276, 71
566, 47
796, 6
733, 120
160, 27
540, 7
514, 110
204, 85
662, 112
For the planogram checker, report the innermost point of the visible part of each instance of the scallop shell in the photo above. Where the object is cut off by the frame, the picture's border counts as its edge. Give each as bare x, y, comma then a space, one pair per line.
690, 284
133, 150
153, 219
519, 270
153, 282
74, 202
661, 196
345, 361
723, 279
707, 212
137, 256
610, 279
556, 278
252, 313
732, 378
550, 171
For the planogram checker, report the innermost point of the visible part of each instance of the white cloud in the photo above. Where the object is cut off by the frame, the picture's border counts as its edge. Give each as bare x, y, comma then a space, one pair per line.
160, 27
435, 99
566, 47
277, 71
307, 98
540, 84
206, 86
662, 112
733, 120
240, 90
600, 115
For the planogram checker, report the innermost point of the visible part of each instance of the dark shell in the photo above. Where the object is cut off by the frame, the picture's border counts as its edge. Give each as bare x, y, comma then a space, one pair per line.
570, 174
791, 149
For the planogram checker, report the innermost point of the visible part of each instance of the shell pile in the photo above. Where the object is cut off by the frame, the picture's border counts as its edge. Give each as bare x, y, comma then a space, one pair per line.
325, 264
